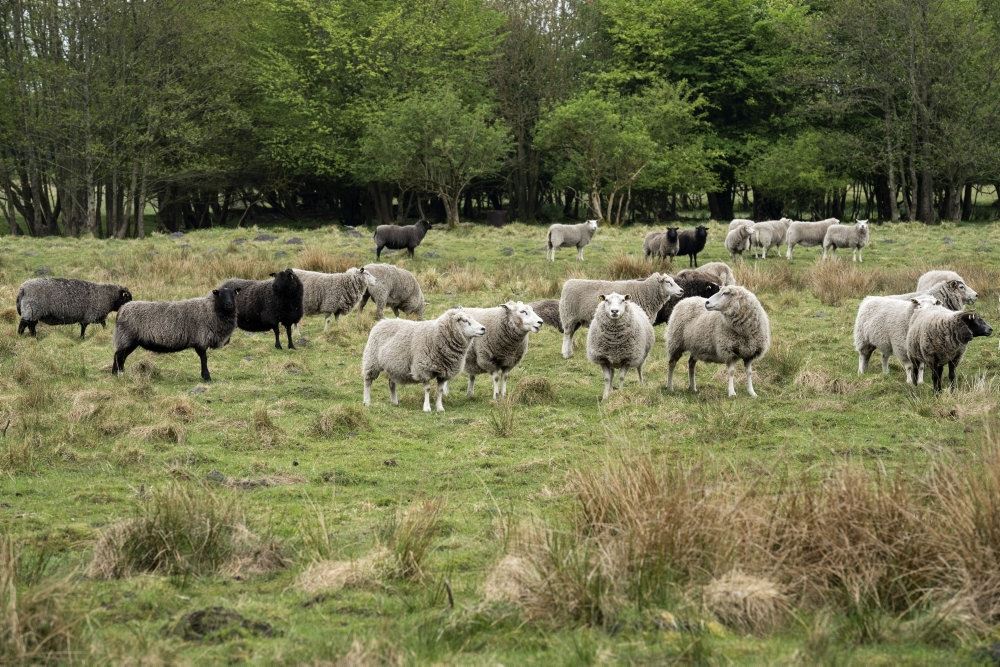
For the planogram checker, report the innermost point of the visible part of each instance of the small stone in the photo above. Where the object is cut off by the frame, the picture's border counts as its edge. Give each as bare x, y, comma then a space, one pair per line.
390, 463
507, 252
295, 240
215, 476
280, 254
430, 254
198, 389
43, 271
177, 235
302, 341
947, 240
265, 237
352, 231
239, 241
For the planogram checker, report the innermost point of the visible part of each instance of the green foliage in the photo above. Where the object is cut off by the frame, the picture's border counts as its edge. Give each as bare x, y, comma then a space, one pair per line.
802, 168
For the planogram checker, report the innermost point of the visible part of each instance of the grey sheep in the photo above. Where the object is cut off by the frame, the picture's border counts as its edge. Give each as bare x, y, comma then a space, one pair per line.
620, 338
725, 329
397, 237
569, 235
806, 233
716, 272
548, 310
933, 277
738, 240
67, 301
267, 305
171, 326
770, 234
422, 352
661, 244
882, 324
504, 344
394, 287
854, 236
333, 294
937, 337
953, 294
580, 298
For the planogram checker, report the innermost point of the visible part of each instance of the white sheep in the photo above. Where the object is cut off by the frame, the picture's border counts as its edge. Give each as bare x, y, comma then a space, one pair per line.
569, 235
333, 294
935, 276
423, 352
620, 337
953, 294
729, 327
394, 287
937, 337
770, 234
504, 344
739, 222
806, 233
855, 237
882, 324
738, 240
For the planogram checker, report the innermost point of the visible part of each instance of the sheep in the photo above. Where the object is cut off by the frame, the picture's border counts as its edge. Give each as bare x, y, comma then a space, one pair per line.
854, 236
267, 305
661, 244
171, 326
806, 233
503, 346
932, 278
393, 287
770, 234
693, 285
938, 337
411, 352
953, 294
620, 338
333, 294
691, 242
728, 327
569, 235
716, 272
738, 240
739, 222
548, 310
67, 301
397, 237
580, 298
881, 324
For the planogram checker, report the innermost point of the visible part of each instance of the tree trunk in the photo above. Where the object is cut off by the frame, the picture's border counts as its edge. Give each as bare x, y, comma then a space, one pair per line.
720, 205
766, 207
967, 202
451, 203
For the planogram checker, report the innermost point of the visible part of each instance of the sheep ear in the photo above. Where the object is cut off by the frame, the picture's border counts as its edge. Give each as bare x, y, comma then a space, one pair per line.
601, 297
628, 297
273, 274
215, 292
914, 302
361, 270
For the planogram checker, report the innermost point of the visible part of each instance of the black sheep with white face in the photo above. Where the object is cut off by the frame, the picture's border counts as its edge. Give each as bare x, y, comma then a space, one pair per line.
267, 305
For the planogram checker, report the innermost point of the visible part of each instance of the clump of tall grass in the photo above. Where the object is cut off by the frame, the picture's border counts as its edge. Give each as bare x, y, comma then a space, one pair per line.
340, 420
628, 267
502, 419
316, 259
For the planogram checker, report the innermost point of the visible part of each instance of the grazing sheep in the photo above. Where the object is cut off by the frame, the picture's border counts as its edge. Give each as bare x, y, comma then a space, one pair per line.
691, 242
620, 337
397, 237
738, 240
739, 222
806, 233
548, 310
503, 346
393, 287
422, 352
267, 305
693, 285
938, 337
171, 326
569, 235
580, 299
770, 234
854, 236
932, 278
661, 244
333, 294
953, 294
729, 327
67, 301
881, 324
716, 272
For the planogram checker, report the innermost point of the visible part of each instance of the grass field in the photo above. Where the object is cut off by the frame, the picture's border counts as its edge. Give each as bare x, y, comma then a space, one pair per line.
336, 533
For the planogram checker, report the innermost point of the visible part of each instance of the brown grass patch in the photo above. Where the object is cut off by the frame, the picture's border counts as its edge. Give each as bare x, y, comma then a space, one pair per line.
628, 267
248, 483
821, 382
162, 432
315, 259
832, 282
341, 420
87, 403
746, 603
8, 315
534, 391
330, 576
466, 278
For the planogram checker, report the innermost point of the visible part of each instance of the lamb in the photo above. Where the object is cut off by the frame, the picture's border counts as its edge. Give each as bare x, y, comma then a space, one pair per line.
266, 305
333, 293
938, 337
620, 337
171, 326
953, 294
693, 285
770, 234
932, 278
393, 287
411, 352
67, 301
661, 244
691, 242
397, 237
881, 324
716, 272
738, 240
580, 299
854, 236
503, 346
548, 310
729, 327
806, 233
569, 235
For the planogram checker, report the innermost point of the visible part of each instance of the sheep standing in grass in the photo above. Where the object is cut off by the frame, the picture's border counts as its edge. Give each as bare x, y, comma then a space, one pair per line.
503, 346
938, 337
548, 310
67, 301
661, 244
398, 237
692, 241
806, 233
333, 294
569, 235
738, 240
882, 324
932, 278
725, 329
620, 338
693, 285
953, 294
580, 298
854, 236
393, 287
770, 234
171, 326
739, 222
267, 305
716, 272
423, 352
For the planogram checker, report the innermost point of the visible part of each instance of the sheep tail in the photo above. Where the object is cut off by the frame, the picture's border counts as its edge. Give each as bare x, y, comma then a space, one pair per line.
20, 295
548, 240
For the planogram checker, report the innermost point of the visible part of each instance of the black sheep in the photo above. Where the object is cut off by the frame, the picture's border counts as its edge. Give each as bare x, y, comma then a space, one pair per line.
396, 237
691, 242
696, 287
266, 305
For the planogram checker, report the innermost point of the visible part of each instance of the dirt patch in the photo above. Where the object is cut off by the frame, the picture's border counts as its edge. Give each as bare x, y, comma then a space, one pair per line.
217, 624
248, 484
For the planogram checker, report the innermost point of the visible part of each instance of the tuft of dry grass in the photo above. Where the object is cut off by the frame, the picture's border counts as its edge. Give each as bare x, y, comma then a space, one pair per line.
628, 267
409, 536
502, 419
340, 420
821, 382
466, 278
330, 576
746, 603
87, 403
832, 282
315, 259
535, 390
162, 432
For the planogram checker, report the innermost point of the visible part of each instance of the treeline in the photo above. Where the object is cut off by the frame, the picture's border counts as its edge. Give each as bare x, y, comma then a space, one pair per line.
382, 110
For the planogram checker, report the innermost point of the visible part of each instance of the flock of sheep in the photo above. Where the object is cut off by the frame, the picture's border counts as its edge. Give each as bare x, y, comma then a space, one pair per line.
708, 316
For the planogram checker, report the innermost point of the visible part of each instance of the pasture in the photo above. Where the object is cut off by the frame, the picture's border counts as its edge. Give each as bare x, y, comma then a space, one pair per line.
425, 505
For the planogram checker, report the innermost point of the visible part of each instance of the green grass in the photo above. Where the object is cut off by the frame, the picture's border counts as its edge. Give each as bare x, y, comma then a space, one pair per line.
280, 436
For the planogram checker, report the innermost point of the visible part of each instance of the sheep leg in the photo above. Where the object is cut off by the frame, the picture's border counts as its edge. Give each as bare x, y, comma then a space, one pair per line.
621, 377
749, 368
83, 330
503, 383
788, 253
393, 396
427, 397
441, 393
952, 378
366, 398
912, 370
378, 252
446, 389
642, 379
937, 372
288, 333
731, 372
326, 324
409, 252
920, 374
692, 383
670, 373
203, 356
277, 337
118, 365
579, 254
609, 378
567, 346
864, 354
495, 376
470, 390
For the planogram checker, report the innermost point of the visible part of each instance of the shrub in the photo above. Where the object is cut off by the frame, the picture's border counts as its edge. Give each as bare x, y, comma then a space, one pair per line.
502, 419
628, 267
341, 419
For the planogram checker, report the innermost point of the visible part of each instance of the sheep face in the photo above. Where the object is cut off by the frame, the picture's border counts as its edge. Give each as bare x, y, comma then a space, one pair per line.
424, 225
615, 304
701, 232
370, 278
862, 224
925, 301
672, 233
469, 327
723, 300
668, 284
286, 282
977, 325
968, 294
225, 299
524, 315
749, 229
124, 296
592, 225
